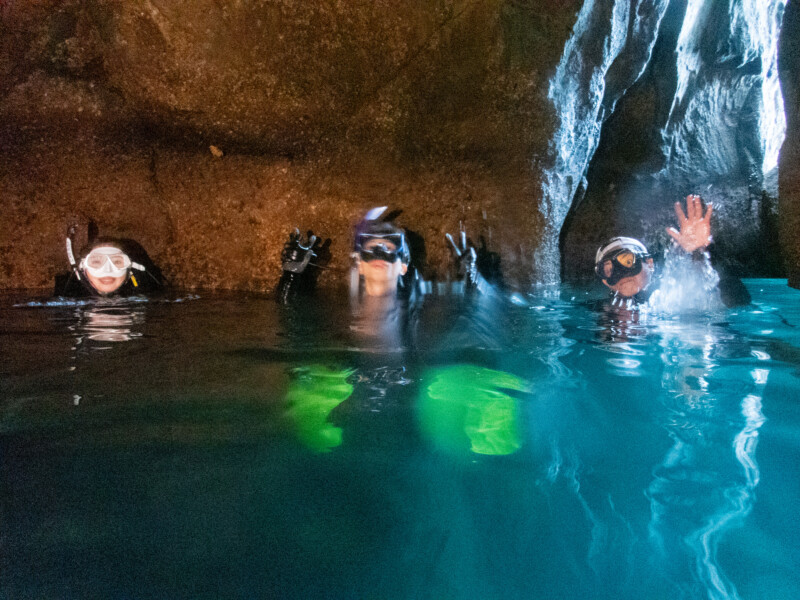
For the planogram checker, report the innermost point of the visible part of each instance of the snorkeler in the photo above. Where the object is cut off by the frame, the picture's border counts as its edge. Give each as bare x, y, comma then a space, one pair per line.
108, 267
625, 266
380, 256
378, 326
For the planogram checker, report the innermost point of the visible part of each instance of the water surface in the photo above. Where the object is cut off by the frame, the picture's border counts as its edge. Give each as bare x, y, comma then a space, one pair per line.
224, 446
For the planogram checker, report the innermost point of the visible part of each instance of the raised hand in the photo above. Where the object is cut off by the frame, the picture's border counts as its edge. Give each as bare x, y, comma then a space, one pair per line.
465, 255
695, 227
298, 252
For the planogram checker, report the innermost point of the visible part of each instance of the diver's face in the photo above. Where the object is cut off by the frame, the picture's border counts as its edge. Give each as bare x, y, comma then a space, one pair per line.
106, 268
105, 285
630, 286
381, 276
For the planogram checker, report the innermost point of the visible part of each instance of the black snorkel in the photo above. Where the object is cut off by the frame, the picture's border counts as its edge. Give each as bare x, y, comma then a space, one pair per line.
70, 252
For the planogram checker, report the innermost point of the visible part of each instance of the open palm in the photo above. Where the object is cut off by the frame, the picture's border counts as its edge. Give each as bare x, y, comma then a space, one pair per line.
695, 227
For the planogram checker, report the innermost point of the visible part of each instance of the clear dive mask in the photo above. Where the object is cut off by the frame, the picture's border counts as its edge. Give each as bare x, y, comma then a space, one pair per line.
106, 261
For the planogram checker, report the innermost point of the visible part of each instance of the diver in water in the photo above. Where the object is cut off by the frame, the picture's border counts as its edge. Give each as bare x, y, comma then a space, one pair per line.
378, 327
625, 266
381, 258
108, 267
381, 282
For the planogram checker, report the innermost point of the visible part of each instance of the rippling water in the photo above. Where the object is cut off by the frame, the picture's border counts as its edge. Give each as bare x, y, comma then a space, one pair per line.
205, 447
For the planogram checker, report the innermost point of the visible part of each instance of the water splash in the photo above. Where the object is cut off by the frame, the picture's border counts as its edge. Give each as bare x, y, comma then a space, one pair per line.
686, 286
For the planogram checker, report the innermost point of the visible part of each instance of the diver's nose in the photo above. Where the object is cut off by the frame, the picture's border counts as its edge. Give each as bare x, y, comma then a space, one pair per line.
107, 266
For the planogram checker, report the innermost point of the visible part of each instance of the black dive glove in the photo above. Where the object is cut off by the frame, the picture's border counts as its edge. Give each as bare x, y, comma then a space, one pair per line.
478, 267
301, 260
298, 252
466, 259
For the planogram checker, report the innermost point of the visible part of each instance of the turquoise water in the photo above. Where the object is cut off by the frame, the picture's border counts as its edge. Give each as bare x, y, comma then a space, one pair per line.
221, 447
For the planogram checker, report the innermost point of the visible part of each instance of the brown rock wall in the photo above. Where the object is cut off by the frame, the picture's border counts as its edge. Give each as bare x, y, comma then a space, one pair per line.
221, 222
321, 110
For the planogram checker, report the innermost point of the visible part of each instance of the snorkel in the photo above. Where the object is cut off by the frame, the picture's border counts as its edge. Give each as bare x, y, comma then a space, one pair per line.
70, 253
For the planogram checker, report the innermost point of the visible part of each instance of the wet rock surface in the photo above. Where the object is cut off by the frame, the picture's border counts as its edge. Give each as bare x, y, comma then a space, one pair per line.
208, 131
789, 186
704, 118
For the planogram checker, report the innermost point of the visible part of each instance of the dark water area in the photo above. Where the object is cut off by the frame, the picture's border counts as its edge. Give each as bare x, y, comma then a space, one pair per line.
227, 447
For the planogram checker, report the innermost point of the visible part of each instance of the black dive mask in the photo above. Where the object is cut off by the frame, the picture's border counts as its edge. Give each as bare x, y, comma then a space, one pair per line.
379, 252
388, 247
619, 265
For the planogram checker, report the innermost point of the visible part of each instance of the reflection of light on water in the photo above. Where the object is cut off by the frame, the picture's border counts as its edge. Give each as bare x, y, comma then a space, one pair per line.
745, 443
555, 463
111, 324
612, 537
740, 498
760, 375
623, 348
624, 363
705, 483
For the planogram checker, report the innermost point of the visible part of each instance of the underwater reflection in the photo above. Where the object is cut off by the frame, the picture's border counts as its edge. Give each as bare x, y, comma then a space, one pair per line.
460, 405
706, 481
471, 407
108, 321
100, 326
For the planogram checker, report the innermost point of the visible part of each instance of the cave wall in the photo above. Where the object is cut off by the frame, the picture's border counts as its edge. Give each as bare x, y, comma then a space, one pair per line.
704, 118
789, 185
208, 130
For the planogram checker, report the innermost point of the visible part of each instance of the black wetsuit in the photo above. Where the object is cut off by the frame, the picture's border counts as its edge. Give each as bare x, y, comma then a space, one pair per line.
67, 285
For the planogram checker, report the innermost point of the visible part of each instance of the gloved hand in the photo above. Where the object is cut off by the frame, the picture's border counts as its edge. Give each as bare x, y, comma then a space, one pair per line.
466, 258
298, 252
302, 259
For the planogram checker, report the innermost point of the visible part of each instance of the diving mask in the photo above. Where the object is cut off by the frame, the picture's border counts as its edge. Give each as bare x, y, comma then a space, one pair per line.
621, 257
388, 247
106, 261
620, 265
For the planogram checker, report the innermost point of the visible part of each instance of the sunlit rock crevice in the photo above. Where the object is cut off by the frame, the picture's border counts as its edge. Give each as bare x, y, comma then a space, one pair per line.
608, 51
705, 117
